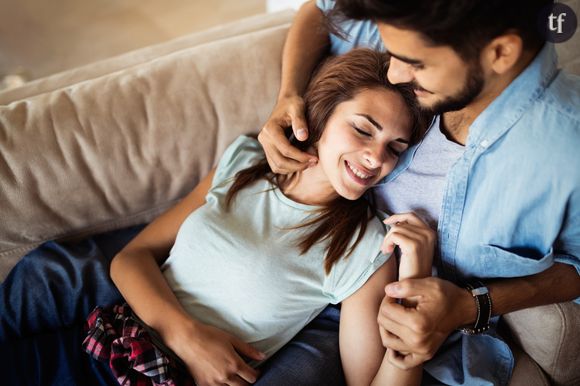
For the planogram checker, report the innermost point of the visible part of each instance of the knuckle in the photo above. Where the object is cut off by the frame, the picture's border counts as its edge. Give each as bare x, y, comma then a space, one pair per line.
261, 135
419, 326
265, 130
221, 379
234, 368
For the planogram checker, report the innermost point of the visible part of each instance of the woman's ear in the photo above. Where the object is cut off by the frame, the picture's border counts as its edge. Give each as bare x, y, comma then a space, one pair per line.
503, 52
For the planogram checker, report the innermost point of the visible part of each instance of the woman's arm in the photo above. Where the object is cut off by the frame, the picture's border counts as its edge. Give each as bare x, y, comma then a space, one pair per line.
365, 361
305, 45
363, 356
135, 269
210, 354
361, 350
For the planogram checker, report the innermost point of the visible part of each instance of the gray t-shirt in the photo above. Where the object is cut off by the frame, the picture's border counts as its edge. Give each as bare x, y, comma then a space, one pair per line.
241, 270
420, 188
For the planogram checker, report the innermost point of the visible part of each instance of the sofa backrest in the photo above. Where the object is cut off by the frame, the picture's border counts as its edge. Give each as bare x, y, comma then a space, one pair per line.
120, 148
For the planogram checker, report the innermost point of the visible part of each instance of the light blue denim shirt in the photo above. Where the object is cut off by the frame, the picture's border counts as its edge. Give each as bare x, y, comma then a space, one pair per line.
511, 205
357, 33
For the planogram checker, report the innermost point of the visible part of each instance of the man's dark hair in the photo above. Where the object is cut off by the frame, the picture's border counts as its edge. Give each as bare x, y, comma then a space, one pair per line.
465, 25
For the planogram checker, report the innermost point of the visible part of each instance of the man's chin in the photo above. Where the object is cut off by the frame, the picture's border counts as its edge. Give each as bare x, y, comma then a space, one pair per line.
440, 107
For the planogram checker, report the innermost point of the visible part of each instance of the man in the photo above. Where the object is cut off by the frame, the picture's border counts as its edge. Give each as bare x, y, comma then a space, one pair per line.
496, 173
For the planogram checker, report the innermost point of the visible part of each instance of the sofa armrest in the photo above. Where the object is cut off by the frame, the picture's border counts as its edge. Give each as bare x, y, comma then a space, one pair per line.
550, 335
118, 149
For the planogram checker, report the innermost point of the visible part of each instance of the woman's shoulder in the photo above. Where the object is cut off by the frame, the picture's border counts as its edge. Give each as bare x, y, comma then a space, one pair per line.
350, 273
243, 152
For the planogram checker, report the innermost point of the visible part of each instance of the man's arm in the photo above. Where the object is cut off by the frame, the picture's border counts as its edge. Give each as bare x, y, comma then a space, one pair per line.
443, 307
306, 43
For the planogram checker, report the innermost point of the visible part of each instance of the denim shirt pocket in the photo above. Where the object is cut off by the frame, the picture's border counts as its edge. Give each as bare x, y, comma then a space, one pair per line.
500, 262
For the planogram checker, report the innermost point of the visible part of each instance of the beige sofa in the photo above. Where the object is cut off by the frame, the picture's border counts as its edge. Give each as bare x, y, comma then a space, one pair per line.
117, 142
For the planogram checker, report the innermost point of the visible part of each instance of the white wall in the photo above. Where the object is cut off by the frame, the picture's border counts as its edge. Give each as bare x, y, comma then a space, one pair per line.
278, 5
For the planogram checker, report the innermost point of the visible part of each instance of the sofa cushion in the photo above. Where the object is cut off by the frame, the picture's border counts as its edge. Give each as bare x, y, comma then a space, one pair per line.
526, 372
549, 334
119, 149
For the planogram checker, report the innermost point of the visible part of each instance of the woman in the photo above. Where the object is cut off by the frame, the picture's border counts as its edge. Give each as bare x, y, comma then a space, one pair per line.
254, 256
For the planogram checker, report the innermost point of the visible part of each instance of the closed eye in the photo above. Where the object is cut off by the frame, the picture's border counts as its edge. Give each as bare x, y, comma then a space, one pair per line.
395, 151
361, 132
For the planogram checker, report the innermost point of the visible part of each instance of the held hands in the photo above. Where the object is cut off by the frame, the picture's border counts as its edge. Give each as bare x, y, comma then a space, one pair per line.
431, 308
282, 157
420, 330
213, 356
413, 329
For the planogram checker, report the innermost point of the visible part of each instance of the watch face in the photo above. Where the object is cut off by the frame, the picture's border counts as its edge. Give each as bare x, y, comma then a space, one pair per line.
479, 291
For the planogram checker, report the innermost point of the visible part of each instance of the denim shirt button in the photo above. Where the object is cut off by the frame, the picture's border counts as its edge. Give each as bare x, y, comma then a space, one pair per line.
484, 143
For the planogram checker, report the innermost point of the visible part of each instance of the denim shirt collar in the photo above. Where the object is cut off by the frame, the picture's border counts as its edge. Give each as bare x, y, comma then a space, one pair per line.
508, 107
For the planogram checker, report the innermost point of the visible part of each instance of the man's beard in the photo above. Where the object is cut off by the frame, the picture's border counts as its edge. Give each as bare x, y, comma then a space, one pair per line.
470, 91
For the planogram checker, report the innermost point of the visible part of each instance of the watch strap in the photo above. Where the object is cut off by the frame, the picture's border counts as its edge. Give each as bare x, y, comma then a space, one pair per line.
482, 299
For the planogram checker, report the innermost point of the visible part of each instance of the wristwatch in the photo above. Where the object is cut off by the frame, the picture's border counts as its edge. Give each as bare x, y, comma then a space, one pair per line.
482, 299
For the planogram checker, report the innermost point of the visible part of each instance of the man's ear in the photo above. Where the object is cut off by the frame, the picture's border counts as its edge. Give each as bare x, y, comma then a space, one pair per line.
503, 52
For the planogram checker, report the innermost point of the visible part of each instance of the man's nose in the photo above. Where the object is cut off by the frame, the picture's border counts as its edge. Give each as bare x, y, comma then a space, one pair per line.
399, 72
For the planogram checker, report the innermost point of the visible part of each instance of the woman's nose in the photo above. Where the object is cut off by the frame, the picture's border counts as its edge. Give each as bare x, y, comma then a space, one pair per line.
399, 72
374, 156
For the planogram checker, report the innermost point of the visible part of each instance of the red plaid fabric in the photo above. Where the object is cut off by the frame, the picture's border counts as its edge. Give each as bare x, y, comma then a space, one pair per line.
115, 335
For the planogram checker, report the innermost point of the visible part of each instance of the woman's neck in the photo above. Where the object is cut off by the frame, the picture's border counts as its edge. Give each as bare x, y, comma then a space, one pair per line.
309, 186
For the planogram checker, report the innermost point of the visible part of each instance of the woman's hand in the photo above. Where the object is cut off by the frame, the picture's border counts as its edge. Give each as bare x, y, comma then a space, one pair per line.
213, 356
415, 239
282, 157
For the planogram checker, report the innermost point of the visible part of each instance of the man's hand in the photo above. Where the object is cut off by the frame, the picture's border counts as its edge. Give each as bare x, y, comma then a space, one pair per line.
213, 356
440, 307
282, 157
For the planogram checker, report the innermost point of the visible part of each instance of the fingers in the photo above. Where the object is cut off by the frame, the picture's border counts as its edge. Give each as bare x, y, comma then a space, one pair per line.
244, 371
404, 362
299, 126
247, 350
246, 374
408, 288
238, 382
282, 157
400, 235
281, 165
391, 341
410, 218
390, 326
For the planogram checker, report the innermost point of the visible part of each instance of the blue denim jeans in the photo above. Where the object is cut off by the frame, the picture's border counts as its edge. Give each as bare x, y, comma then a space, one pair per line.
47, 296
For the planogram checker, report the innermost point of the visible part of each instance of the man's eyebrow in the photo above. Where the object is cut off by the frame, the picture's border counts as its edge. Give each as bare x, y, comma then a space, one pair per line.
405, 59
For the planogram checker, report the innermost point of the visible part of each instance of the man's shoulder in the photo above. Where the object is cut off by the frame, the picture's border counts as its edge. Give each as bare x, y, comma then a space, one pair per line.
562, 97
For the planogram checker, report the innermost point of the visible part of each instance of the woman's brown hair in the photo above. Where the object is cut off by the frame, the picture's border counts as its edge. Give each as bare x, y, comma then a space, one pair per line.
338, 80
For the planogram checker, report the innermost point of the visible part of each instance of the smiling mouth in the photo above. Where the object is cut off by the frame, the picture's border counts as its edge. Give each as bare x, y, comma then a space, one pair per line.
359, 176
421, 92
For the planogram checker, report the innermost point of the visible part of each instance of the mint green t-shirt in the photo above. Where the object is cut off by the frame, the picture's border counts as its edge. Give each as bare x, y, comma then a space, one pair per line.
241, 270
